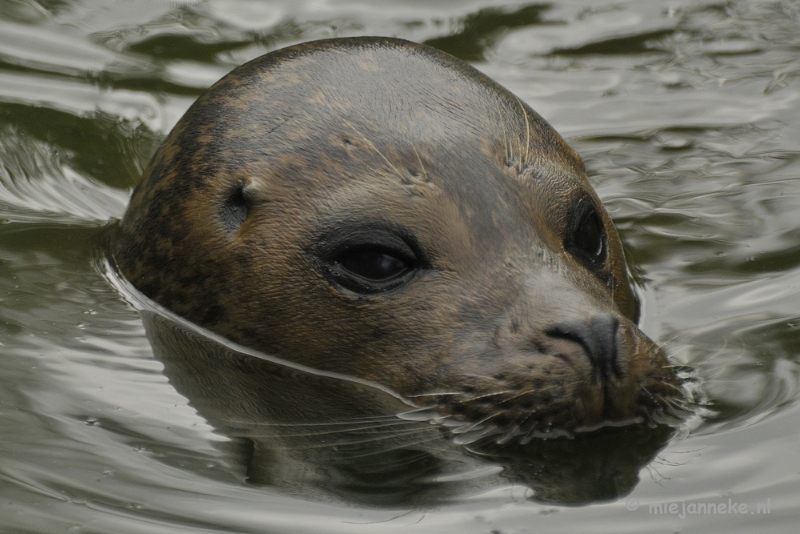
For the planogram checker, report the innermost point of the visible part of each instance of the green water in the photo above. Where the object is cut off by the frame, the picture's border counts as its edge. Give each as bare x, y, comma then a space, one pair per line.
687, 114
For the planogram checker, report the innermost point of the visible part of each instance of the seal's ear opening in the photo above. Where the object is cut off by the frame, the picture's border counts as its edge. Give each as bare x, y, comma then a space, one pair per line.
234, 209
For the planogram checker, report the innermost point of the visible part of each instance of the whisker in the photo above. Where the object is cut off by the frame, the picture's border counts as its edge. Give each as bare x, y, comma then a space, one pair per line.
442, 394
478, 423
493, 394
371, 145
355, 420
527, 133
366, 441
421, 165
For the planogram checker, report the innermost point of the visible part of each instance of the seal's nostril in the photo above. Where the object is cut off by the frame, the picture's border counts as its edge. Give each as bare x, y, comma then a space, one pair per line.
598, 337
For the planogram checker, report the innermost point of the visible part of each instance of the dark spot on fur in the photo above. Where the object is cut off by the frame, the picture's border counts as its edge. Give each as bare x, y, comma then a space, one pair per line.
536, 345
195, 280
459, 409
502, 419
213, 315
250, 333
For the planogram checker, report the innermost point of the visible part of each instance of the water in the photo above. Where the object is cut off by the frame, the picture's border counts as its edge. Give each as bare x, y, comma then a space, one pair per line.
687, 116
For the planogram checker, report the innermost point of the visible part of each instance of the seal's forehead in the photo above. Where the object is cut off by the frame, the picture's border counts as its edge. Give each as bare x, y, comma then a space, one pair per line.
360, 73
379, 87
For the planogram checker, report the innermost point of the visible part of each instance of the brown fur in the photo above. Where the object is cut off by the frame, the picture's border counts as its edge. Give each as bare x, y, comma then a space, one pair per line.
335, 132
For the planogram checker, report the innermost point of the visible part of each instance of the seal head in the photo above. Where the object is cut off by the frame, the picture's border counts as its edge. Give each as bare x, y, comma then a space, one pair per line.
378, 208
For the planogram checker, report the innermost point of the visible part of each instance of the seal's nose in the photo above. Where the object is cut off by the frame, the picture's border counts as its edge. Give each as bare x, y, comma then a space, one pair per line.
598, 337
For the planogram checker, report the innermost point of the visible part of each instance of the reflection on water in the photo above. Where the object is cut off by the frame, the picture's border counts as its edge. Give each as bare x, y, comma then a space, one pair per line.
687, 116
320, 434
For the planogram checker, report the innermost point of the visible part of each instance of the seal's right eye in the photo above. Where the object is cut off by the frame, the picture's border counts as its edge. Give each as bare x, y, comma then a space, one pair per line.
370, 269
368, 258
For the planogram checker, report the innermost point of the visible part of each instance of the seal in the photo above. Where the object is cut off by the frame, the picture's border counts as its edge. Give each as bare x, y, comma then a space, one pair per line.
378, 208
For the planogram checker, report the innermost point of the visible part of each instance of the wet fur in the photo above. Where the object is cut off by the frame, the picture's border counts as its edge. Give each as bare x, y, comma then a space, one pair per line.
311, 140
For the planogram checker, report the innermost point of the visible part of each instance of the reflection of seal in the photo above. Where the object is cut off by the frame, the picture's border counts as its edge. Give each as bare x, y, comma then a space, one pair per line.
322, 434
377, 208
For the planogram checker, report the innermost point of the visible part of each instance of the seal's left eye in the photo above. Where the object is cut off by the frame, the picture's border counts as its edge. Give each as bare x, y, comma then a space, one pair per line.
587, 235
369, 269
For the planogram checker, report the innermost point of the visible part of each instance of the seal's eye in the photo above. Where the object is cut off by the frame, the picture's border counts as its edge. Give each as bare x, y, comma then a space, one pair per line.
372, 265
587, 235
368, 258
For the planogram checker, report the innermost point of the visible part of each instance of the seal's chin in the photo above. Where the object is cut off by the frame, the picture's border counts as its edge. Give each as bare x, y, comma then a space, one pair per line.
524, 417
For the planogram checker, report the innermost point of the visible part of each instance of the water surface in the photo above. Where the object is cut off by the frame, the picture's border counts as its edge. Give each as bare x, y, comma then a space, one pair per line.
687, 114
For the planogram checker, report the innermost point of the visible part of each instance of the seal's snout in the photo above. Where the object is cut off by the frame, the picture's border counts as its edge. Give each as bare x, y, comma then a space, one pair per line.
598, 338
